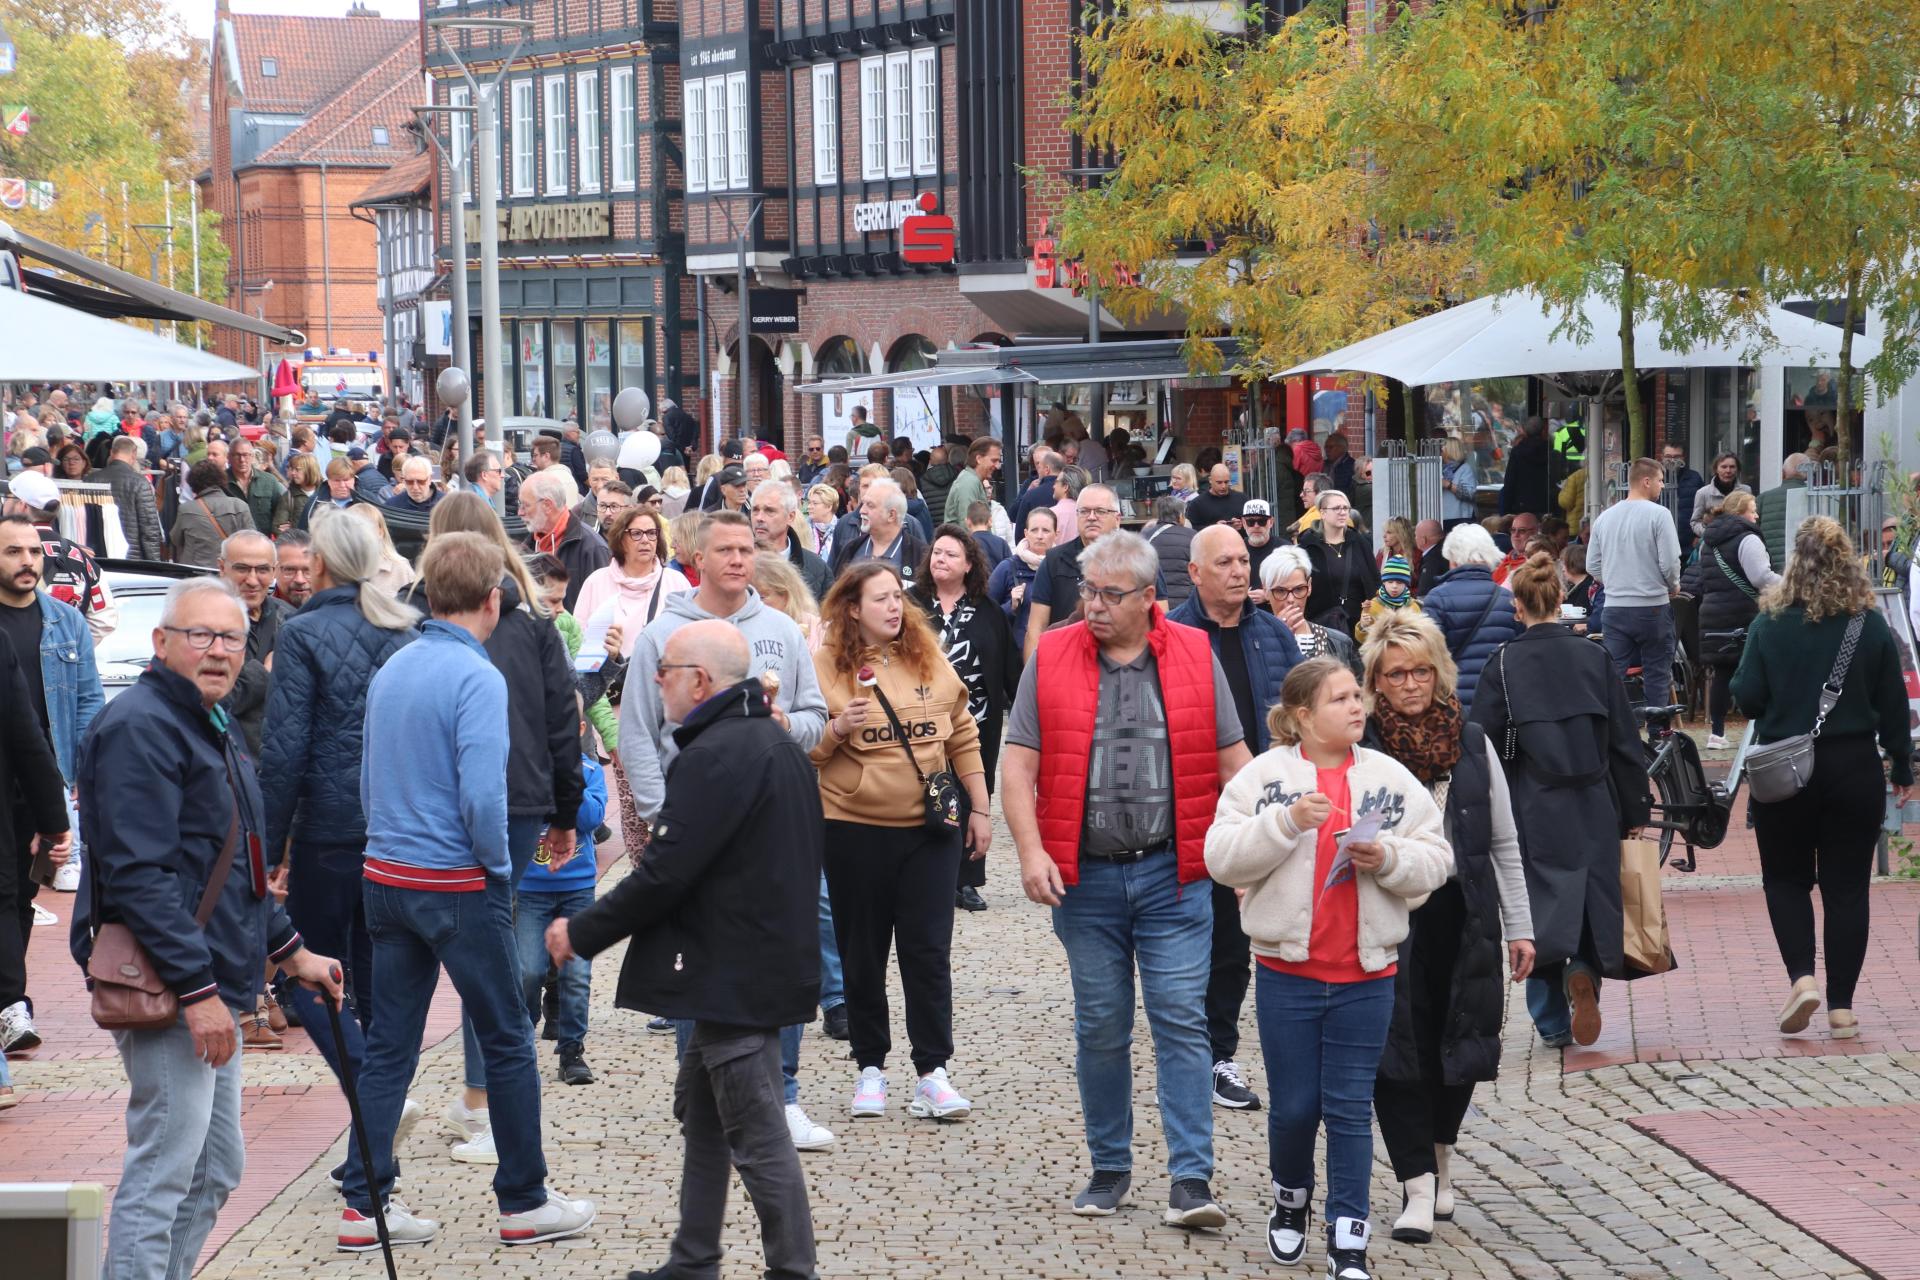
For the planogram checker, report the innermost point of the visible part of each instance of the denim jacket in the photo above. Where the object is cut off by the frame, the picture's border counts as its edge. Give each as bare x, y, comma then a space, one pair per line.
72, 680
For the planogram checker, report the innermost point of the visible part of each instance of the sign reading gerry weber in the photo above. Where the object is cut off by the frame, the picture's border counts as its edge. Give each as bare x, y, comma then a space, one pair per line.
773, 310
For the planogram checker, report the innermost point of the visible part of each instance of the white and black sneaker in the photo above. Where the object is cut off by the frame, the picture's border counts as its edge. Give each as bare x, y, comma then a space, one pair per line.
1347, 1249
1230, 1088
1287, 1224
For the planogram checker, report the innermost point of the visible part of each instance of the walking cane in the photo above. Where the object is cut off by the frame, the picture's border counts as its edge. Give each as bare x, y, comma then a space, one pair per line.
359, 1125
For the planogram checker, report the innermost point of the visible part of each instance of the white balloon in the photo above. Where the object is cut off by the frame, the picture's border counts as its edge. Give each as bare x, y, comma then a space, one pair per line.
638, 450
630, 408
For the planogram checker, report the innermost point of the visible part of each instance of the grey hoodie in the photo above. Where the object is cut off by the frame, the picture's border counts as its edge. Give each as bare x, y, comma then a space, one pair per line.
777, 644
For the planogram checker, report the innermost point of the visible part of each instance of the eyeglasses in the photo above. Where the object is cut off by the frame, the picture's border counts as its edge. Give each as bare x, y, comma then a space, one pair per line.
647, 534
1109, 596
1300, 592
660, 669
1258, 521
1099, 511
1404, 675
251, 570
200, 639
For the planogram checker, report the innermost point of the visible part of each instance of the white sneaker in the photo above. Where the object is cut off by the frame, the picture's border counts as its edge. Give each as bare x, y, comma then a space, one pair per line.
67, 878
464, 1124
359, 1233
870, 1095
807, 1136
935, 1099
42, 916
16, 1029
1716, 742
409, 1116
557, 1219
479, 1151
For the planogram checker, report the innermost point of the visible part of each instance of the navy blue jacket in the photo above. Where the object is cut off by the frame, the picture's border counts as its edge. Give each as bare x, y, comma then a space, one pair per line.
1455, 604
310, 745
1270, 649
1008, 574
156, 804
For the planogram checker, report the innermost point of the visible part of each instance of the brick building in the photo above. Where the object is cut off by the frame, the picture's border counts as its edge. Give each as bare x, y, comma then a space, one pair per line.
305, 113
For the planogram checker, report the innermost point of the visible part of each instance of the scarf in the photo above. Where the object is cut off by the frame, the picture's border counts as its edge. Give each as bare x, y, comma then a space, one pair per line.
1726, 488
1028, 556
1392, 602
1427, 744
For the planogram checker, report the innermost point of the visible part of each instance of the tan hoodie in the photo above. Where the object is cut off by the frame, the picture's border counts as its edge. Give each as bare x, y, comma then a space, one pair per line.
867, 778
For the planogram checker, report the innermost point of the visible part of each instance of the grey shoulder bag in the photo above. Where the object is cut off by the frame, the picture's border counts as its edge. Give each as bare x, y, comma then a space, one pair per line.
1781, 770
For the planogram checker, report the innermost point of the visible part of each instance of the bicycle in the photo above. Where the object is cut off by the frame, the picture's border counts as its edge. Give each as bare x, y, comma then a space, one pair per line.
1686, 805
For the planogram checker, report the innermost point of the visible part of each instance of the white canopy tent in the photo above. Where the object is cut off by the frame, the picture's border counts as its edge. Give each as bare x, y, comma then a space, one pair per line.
46, 342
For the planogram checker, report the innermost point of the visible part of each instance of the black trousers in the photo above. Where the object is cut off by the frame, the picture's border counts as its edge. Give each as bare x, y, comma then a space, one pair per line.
731, 1106
1415, 1115
892, 889
1720, 695
17, 888
1824, 836
1228, 973
973, 871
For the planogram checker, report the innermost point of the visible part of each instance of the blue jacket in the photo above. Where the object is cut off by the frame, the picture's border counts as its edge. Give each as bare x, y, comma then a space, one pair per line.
156, 804
1270, 649
1455, 604
71, 680
323, 662
581, 871
433, 777
1008, 574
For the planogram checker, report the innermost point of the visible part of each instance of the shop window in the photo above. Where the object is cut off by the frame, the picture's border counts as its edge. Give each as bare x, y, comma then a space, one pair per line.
555, 88
693, 122
826, 125
586, 93
620, 90
533, 368
599, 369
632, 354
566, 368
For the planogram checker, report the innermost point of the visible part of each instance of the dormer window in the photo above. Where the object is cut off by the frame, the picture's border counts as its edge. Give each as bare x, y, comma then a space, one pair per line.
269, 67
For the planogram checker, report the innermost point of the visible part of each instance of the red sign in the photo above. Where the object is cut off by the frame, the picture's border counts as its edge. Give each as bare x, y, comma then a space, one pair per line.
1049, 272
927, 236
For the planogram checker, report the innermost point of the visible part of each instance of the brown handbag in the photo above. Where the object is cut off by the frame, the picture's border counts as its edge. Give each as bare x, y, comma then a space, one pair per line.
128, 992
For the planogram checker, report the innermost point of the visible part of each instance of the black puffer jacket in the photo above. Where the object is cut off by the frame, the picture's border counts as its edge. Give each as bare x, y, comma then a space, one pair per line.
1727, 599
323, 660
1173, 543
543, 722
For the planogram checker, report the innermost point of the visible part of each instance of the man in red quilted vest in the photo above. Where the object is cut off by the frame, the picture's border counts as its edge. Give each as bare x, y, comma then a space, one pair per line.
1117, 745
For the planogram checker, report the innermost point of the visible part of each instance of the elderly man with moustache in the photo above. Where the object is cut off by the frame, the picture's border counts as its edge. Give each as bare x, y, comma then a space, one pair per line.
886, 533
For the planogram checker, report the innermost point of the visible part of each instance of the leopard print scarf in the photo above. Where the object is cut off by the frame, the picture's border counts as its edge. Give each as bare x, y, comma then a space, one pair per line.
1427, 744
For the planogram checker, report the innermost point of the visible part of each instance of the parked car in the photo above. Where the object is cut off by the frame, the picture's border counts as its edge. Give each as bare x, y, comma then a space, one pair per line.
139, 591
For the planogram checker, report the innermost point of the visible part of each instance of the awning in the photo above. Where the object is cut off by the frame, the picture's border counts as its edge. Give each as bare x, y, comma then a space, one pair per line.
123, 294
909, 379
47, 342
1143, 360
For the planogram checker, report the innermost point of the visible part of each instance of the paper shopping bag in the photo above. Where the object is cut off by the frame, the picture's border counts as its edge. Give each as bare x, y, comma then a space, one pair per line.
1642, 912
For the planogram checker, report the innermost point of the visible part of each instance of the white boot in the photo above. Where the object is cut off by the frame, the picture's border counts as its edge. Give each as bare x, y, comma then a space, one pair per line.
1415, 1223
1442, 1185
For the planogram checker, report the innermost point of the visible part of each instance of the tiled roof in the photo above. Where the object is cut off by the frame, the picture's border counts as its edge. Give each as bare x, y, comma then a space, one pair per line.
340, 131
408, 178
314, 58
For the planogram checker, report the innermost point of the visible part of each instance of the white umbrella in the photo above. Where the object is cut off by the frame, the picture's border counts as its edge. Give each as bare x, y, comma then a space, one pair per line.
1512, 335
42, 341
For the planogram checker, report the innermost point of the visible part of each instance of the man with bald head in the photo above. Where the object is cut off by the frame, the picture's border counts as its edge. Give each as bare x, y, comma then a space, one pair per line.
248, 561
1055, 593
728, 880
1426, 543
1221, 502
1255, 650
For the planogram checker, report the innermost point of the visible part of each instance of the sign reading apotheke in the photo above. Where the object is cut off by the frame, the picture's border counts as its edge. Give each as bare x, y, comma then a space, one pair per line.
592, 220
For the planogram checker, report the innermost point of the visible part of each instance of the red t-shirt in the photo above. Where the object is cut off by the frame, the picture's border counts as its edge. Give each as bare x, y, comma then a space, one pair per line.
1333, 945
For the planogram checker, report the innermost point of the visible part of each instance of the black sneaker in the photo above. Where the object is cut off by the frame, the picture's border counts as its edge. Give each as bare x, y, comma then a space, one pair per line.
550, 1009
968, 899
1287, 1225
834, 1022
1191, 1204
602, 833
660, 1026
1230, 1088
1106, 1192
573, 1066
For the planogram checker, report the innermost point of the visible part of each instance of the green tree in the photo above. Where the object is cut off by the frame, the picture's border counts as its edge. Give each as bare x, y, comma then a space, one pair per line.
1235, 204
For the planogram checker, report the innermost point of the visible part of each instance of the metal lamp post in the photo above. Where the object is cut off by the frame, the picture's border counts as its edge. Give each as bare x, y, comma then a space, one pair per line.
486, 99
756, 202
459, 179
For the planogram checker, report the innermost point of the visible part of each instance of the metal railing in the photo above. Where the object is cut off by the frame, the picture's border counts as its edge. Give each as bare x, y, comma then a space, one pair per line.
1859, 504
1406, 484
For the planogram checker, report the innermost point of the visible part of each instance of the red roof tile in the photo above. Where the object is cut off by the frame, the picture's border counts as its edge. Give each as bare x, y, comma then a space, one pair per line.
408, 178
340, 131
314, 58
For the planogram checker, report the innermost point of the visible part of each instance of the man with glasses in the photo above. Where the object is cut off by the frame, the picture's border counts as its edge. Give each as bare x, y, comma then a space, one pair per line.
1117, 745
1056, 586
485, 475
614, 498
1256, 521
545, 505
1524, 528
813, 461
415, 492
1673, 459
293, 571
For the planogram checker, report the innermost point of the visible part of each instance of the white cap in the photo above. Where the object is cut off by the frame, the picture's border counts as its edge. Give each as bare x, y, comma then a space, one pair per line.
36, 490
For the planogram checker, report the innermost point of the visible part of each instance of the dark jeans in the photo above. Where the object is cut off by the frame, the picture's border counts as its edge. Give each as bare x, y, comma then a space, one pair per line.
973, 871
17, 888
1642, 636
325, 904
1416, 1114
1720, 695
532, 913
415, 933
523, 841
892, 889
1229, 972
727, 1099
1824, 836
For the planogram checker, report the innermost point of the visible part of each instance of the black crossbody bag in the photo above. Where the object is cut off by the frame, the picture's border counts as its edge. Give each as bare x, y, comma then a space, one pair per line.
941, 791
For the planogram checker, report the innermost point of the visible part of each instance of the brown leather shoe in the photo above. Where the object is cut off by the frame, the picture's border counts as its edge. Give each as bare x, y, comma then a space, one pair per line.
258, 1035
1584, 998
275, 1015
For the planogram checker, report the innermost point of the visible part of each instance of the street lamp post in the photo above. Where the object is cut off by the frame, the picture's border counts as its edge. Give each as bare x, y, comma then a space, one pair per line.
755, 203
459, 179
486, 98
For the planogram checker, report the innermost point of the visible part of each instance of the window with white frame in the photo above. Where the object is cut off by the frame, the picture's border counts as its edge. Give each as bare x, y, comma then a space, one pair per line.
554, 117
521, 132
716, 133
620, 90
693, 130
826, 125
737, 121
873, 118
461, 96
899, 115
926, 111
586, 95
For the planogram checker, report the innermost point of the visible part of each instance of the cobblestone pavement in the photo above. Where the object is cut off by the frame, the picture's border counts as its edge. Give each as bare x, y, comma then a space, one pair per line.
1634, 1168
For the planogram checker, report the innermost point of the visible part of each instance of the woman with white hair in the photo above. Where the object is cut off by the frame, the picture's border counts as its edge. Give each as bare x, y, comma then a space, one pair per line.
1287, 575
1474, 611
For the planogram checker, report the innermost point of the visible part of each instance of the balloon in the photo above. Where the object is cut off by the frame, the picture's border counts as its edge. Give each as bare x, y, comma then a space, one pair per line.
639, 450
601, 446
630, 408
452, 387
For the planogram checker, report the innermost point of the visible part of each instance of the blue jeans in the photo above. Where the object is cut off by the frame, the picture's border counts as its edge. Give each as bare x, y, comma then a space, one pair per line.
1323, 1040
415, 933
789, 1054
1642, 636
1116, 917
184, 1154
532, 913
833, 989
523, 839
1547, 998
325, 904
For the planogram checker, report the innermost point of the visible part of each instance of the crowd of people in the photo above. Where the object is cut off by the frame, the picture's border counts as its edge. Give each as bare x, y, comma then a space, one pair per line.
1240, 751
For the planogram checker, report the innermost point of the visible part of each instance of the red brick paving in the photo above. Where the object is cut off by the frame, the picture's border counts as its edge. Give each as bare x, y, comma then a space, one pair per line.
1848, 1175
1723, 999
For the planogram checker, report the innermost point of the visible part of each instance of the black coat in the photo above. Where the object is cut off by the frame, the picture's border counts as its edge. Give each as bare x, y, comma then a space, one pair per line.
913, 551
32, 791
543, 721
247, 704
1529, 482
582, 550
1433, 567
811, 568
1725, 604
1343, 581
1579, 782
722, 910
682, 430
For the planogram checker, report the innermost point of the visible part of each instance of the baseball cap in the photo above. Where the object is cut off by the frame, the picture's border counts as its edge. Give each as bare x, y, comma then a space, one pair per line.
1256, 507
356, 454
732, 475
34, 489
35, 457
